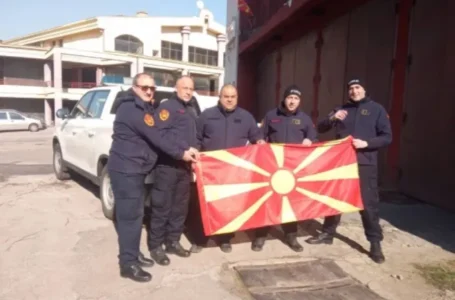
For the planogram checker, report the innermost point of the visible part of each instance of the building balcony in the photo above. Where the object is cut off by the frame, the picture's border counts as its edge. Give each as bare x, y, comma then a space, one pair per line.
22, 82
11, 87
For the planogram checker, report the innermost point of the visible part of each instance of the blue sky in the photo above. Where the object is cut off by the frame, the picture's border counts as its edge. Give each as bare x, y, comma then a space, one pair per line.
27, 16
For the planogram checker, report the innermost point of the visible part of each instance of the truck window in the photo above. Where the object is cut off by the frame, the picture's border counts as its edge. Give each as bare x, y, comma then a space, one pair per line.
159, 96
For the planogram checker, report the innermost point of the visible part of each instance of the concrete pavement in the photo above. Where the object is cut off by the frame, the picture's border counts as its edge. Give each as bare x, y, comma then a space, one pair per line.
56, 244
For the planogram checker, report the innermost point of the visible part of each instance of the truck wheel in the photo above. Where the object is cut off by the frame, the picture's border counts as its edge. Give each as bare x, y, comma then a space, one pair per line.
106, 195
33, 127
60, 170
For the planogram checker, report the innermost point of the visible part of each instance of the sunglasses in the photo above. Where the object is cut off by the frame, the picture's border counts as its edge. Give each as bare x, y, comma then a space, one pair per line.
145, 88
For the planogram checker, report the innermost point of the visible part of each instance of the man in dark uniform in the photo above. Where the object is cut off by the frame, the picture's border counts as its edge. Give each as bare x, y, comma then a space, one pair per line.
221, 127
176, 118
286, 124
132, 156
368, 122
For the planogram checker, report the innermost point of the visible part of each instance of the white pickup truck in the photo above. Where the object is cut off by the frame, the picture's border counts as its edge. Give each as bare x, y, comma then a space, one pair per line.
83, 137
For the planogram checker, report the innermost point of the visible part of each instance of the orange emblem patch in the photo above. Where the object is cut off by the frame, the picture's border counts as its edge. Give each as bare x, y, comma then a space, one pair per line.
164, 115
148, 119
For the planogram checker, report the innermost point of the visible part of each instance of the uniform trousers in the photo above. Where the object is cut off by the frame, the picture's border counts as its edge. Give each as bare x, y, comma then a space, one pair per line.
169, 204
128, 190
368, 175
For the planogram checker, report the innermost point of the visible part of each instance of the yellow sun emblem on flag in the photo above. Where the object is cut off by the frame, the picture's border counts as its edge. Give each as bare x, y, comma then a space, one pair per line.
291, 180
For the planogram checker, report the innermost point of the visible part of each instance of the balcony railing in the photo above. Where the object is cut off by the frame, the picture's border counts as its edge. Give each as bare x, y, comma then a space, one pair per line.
79, 85
22, 81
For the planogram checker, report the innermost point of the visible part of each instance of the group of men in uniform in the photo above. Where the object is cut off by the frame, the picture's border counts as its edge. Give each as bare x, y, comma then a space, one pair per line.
168, 138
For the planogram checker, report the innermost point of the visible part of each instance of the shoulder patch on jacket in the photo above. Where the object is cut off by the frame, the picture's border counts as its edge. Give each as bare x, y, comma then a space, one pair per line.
164, 114
148, 119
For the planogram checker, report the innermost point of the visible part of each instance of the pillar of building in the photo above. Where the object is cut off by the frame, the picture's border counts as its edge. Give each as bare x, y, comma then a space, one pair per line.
58, 85
186, 30
220, 81
221, 39
48, 81
140, 66
99, 75
47, 113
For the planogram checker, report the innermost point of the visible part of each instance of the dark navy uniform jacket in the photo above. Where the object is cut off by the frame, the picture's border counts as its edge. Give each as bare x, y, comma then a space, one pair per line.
176, 119
280, 126
136, 139
220, 129
366, 120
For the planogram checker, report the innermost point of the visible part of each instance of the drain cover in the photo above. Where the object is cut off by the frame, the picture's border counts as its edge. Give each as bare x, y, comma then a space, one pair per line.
309, 280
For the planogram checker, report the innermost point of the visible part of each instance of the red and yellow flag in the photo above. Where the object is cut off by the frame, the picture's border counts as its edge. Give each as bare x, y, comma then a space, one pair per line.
271, 184
244, 7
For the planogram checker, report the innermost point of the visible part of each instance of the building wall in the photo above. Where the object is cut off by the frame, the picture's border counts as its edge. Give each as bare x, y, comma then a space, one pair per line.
232, 42
151, 38
203, 40
428, 137
92, 41
363, 44
145, 29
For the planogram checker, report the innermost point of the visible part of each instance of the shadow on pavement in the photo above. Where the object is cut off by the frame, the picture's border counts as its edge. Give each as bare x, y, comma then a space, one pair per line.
431, 223
86, 184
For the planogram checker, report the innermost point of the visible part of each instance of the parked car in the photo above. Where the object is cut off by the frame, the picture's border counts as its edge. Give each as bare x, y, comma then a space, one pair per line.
11, 119
83, 138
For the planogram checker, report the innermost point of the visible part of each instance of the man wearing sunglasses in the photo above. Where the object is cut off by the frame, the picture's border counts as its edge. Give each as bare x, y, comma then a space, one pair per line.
133, 154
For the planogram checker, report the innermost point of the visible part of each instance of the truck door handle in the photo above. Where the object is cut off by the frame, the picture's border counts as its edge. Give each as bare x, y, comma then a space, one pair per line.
91, 133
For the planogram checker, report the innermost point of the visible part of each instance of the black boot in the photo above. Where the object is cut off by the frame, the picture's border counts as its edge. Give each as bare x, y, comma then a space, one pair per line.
257, 244
159, 256
322, 238
195, 248
145, 262
135, 273
177, 249
292, 242
226, 247
376, 253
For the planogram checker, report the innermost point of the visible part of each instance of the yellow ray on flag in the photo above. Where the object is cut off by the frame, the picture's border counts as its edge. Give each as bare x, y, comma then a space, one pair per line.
287, 213
278, 152
339, 205
238, 222
345, 172
317, 152
231, 159
220, 191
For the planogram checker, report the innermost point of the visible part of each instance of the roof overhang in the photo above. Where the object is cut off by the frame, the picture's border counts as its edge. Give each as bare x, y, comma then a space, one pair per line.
56, 32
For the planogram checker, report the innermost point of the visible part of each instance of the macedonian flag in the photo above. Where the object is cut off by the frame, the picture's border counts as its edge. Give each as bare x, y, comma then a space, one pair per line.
261, 185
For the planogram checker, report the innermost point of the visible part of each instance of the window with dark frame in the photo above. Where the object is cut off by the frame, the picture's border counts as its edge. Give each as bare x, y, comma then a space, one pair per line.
203, 56
170, 50
129, 43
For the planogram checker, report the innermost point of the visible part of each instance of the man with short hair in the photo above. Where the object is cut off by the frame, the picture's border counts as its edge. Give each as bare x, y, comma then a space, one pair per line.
286, 124
368, 122
133, 154
222, 127
176, 118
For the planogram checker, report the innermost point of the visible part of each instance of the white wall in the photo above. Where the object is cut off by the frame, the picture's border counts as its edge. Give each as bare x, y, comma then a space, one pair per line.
230, 71
146, 29
92, 41
201, 40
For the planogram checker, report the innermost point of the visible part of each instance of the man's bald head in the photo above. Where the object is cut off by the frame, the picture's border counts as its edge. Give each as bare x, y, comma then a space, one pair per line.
185, 88
228, 97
